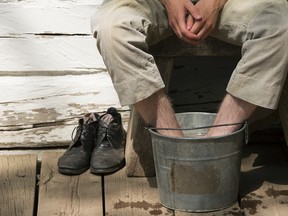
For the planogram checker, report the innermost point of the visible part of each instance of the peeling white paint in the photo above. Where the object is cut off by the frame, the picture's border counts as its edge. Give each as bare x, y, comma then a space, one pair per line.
50, 72
37, 99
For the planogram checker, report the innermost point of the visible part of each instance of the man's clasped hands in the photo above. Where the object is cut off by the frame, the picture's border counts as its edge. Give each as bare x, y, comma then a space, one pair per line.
193, 22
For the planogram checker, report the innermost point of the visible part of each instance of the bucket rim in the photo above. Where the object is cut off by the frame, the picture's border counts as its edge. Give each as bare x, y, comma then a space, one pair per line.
152, 131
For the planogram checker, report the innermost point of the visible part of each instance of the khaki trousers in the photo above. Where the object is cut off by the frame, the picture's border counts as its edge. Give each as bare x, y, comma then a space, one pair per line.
124, 29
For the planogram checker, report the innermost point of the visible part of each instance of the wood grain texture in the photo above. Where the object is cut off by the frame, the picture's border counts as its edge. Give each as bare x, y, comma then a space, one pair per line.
43, 111
17, 184
67, 195
132, 196
49, 17
48, 38
51, 72
35, 100
231, 211
49, 55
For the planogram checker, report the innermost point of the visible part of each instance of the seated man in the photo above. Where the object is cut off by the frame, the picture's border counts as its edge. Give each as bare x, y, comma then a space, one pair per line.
126, 28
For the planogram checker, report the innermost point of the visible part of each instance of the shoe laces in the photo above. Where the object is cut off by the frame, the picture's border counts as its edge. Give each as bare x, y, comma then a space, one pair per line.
87, 118
78, 130
104, 124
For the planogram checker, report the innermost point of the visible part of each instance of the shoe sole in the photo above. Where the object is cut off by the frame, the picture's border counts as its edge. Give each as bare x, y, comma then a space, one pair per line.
107, 171
71, 171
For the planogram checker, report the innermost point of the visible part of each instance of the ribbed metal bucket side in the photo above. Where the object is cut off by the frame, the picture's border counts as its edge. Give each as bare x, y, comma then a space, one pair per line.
194, 173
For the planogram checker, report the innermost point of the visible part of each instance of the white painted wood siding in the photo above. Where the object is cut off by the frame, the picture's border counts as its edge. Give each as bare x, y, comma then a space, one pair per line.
50, 71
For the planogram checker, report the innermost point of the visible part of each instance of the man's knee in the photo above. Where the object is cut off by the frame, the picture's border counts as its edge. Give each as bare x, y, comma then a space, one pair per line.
271, 22
241, 20
107, 29
117, 31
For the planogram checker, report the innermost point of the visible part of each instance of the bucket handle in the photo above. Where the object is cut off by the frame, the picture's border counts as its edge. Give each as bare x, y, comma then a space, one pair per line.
210, 126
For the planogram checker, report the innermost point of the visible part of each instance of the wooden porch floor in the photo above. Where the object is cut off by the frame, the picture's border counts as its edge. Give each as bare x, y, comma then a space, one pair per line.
30, 185
49, 67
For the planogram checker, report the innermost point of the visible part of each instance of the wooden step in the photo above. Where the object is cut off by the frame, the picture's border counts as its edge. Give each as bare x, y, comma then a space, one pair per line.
49, 55
43, 111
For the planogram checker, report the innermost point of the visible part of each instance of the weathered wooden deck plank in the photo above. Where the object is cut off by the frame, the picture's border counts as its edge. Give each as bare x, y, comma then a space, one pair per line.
49, 55
52, 17
35, 100
67, 195
52, 136
132, 196
140, 196
264, 181
56, 135
17, 184
48, 37
263, 188
44, 110
231, 211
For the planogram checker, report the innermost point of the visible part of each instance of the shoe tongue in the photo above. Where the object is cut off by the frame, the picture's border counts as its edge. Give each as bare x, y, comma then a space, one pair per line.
106, 119
88, 118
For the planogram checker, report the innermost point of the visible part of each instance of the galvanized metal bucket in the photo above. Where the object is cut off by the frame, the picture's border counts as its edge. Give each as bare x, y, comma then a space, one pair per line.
196, 173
